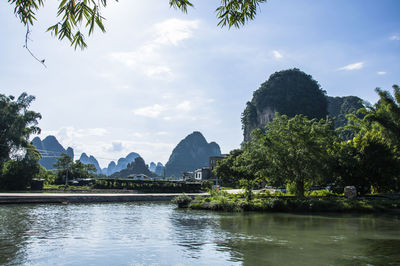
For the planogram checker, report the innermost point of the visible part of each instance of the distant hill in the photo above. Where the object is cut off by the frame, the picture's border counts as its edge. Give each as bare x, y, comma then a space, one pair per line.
138, 166
339, 107
50, 149
157, 168
90, 160
121, 164
191, 153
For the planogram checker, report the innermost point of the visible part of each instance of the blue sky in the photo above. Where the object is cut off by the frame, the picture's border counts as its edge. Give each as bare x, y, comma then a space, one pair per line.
157, 74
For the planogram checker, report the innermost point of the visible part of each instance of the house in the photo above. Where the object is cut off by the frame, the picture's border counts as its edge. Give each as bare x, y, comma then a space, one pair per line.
186, 176
203, 173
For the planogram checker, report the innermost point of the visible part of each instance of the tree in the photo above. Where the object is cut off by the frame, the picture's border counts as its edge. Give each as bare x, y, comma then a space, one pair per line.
372, 157
70, 170
296, 150
77, 14
225, 169
63, 165
366, 161
18, 174
17, 123
80, 170
386, 114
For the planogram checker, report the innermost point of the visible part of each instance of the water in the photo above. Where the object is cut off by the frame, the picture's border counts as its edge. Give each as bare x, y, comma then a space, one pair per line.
159, 234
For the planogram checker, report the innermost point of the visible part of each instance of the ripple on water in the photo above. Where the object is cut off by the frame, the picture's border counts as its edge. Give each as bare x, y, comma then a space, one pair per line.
159, 234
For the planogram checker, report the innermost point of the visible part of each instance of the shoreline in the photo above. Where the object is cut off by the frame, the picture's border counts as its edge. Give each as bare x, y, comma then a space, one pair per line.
65, 198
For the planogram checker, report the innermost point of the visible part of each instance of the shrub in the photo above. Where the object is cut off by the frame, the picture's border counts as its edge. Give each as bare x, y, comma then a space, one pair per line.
183, 200
321, 193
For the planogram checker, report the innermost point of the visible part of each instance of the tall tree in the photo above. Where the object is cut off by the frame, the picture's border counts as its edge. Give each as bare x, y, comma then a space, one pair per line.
386, 113
297, 150
63, 166
372, 157
17, 174
17, 123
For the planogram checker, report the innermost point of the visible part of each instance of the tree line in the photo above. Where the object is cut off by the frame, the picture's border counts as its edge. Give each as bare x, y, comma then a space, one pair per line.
298, 152
19, 159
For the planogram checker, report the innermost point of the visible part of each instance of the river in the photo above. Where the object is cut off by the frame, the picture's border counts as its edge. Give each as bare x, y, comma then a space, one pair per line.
159, 234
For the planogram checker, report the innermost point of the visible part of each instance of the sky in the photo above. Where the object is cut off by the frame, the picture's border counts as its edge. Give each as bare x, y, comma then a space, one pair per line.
157, 74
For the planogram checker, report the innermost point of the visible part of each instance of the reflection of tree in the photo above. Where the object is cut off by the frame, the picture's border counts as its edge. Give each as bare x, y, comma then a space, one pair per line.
13, 234
285, 239
193, 230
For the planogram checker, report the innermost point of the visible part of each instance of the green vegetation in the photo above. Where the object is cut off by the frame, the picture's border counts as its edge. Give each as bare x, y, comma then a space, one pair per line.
155, 186
76, 15
297, 152
288, 92
18, 159
291, 92
67, 169
183, 201
223, 201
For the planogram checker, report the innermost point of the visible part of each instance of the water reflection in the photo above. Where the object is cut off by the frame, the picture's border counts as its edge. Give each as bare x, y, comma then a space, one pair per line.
284, 239
160, 234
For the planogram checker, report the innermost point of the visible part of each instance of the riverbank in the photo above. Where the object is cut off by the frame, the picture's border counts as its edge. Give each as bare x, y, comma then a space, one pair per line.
236, 203
21, 198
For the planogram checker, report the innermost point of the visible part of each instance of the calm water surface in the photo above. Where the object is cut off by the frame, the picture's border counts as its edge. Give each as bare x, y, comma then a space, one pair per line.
159, 234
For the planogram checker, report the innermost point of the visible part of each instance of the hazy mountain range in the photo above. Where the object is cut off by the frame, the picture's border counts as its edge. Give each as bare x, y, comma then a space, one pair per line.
191, 153
50, 149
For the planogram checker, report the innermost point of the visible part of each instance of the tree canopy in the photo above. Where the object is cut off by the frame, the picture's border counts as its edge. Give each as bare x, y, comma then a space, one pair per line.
67, 169
288, 92
298, 152
80, 17
17, 123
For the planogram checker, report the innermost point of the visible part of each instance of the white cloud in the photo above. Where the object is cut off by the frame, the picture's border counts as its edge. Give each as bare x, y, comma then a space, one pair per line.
355, 66
277, 54
177, 109
381, 73
151, 58
173, 31
395, 37
150, 111
68, 133
160, 72
184, 106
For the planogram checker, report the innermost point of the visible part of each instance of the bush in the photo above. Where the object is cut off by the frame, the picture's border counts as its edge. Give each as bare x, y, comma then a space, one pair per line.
321, 193
183, 200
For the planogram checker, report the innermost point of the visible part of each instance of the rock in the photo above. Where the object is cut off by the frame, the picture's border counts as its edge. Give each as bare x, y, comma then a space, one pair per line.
291, 92
50, 149
138, 166
90, 160
193, 152
350, 192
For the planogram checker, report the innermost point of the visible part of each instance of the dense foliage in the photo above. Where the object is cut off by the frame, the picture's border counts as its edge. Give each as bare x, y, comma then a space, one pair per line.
223, 201
17, 174
67, 169
17, 123
340, 107
288, 92
18, 159
298, 152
